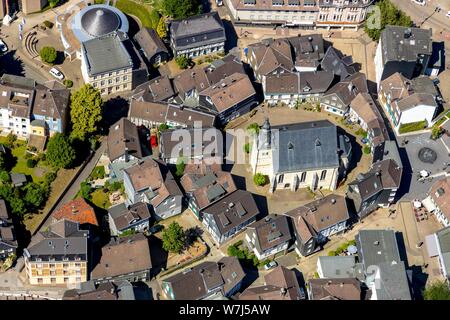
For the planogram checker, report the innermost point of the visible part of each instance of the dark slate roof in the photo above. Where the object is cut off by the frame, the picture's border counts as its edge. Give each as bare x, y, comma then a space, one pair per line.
123, 138
106, 54
197, 31
124, 216
18, 178
150, 42
222, 68
347, 90
377, 246
116, 290
403, 43
334, 61
100, 21
306, 146
298, 83
307, 49
189, 117
393, 283
271, 231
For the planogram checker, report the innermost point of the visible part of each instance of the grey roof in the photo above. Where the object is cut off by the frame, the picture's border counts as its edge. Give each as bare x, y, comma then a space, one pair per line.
443, 237
405, 44
334, 61
393, 283
338, 266
100, 21
123, 216
305, 146
18, 178
21, 82
150, 43
271, 231
197, 31
106, 54
346, 90
298, 82
377, 246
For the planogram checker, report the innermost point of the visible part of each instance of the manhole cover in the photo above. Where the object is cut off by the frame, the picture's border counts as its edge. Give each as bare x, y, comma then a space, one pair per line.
427, 155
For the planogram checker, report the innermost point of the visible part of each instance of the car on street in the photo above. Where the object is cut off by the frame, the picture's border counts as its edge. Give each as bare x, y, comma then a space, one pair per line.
420, 2
3, 46
56, 73
270, 265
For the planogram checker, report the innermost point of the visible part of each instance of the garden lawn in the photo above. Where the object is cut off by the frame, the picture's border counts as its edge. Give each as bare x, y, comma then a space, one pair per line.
413, 126
140, 11
100, 198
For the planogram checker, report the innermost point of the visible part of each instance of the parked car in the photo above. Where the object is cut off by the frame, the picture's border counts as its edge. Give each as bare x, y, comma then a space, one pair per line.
56, 73
270, 265
3, 46
420, 2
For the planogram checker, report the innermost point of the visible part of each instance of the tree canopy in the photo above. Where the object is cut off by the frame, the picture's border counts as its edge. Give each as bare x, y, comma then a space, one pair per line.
85, 112
173, 238
389, 15
438, 290
180, 9
48, 54
60, 153
259, 179
182, 62
34, 195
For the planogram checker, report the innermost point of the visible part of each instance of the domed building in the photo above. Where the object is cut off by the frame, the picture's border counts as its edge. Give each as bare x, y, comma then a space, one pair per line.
97, 34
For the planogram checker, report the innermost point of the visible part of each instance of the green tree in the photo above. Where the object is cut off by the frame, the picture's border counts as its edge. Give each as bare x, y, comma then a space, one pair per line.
10, 139
182, 62
162, 28
48, 54
180, 168
436, 132
154, 18
438, 290
180, 9
173, 238
17, 205
259, 179
4, 177
86, 190
163, 127
366, 150
34, 195
390, 15
60, 153
85, 112
2, 162
31, 163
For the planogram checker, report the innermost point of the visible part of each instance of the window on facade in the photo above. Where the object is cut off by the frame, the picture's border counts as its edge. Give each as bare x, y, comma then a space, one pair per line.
303, 177
323, 175
280, 178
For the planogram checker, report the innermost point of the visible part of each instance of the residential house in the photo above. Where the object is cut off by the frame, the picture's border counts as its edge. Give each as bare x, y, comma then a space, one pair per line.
342, 13
117, 290
385, 273
134, 218
58, 256
123, 142
18, 179
335, 289
376, 188
407, 101
438, 245
205, 280
77, 210
8, 240
205, 184
159, 89
335, 267
190, 83
125, 259
230, 98
147, 113
230, 215
297, 87
315, 222
198, 35
438, 201
151, 46
151, 181
269, 236
179, 116
279, 284
300, 155
341, 66
222, 68
194, 144
337, 99
122, 71
402, 49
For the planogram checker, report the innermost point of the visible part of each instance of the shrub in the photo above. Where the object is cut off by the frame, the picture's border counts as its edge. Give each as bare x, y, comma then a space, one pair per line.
163, 127
31, 163
332, 253
98, 173
367, 150
48, 54
49, 177
247, 148
436, 132
259, 179
180, 168
413, 126
438, 290
10, 139
183, 62
316, 275
5, 177
253, 128
68, 83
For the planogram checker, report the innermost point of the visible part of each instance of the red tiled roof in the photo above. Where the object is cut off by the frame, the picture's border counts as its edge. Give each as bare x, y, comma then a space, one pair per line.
77, 210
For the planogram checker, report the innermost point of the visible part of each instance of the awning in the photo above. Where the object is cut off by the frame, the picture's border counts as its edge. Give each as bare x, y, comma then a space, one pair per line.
428, 204
432, 246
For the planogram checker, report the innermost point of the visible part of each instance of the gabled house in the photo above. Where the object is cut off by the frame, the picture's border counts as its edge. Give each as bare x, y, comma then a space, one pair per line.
8, 241
147, 113
151, 46
77, 210
190, 83
125, 259
159, 89
230, 98
335, 267
230, 215
269, 236
315, 222
205, 280
402, 49
335, 289
385, 273
123, 142
407, 101
179, 116
337, 99
341, 66
151, 181
279, 284
123, 218
438, 245
117, 290
205, 184
193, 144
222, 68
438, 201
198, 35
376, 188
58, 256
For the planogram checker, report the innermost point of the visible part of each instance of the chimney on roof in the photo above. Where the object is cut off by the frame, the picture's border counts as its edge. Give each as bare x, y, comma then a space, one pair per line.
230, 205
333, 201
126, 155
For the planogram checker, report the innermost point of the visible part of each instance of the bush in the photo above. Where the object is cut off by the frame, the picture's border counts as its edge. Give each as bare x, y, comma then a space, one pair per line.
85, 190
49, 177
332, 253
163, 127
5, 177
183, 62
31, 163
180, 168
68, 83
98, 173
10, 139
48, 24
259, 179
253, 128
436, 132
316, 275
438, 290
367, 150
247, 148
48, 55
413, 126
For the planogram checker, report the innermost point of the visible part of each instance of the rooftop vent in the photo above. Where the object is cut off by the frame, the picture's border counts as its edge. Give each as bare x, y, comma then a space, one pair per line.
376, 243
333, 201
